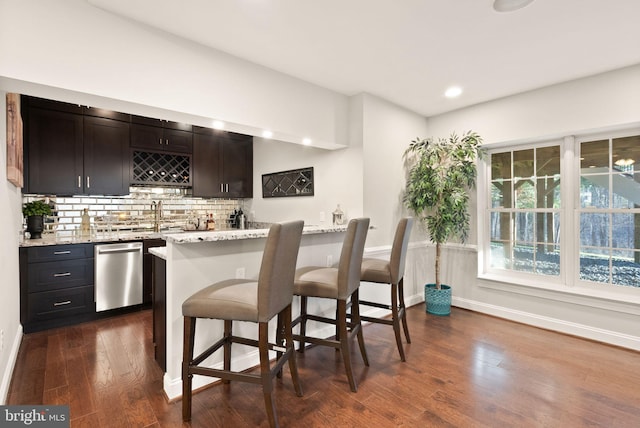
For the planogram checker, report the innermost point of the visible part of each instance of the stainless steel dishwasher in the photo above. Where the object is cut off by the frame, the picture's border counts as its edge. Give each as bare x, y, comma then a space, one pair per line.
118, 275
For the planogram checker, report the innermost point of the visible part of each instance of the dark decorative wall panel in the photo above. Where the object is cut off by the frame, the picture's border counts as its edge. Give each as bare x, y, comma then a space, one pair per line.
296, 182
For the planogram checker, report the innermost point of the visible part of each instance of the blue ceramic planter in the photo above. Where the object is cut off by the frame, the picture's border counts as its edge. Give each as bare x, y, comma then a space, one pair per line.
438, 302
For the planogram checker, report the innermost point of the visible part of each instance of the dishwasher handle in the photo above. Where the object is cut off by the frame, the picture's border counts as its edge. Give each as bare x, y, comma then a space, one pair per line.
118, 250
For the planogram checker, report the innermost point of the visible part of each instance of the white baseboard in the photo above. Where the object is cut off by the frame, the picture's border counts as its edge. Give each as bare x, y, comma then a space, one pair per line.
562, 326
11, 363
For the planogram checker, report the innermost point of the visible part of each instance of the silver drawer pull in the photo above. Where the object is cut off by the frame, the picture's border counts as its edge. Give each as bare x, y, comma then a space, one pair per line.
57, 253
62, 274
66, 302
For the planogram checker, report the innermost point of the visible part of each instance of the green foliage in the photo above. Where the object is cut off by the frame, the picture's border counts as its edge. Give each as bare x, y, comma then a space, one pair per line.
35, 208
440, 174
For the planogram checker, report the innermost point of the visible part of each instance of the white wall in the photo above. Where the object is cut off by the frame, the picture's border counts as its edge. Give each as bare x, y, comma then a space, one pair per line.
10, 225
337, 178
387, 131
75, 46
599, 102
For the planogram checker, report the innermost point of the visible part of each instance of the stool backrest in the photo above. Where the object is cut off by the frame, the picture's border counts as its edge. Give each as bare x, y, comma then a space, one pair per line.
351, 257
399, 249
277, 271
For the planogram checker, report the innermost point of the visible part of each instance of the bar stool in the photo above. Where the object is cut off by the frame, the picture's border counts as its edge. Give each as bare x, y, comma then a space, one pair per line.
341, 284
248, 300
391, 272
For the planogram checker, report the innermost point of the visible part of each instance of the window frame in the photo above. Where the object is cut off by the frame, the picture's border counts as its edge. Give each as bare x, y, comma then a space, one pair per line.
567, 285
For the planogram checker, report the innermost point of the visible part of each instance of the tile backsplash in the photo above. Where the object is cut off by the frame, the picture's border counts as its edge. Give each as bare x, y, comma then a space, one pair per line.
134, 212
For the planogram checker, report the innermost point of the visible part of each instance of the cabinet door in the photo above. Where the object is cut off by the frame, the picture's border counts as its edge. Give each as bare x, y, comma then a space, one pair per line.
207, 163
237, 160
54, 152
147, 137
106, 156
178, 141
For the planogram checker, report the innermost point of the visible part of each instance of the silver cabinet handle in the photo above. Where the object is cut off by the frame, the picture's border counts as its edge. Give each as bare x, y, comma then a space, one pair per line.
88, 182
160, 141
227, 186
57, 253
66, 302
221, 187
79, 182
166, 141
57, 275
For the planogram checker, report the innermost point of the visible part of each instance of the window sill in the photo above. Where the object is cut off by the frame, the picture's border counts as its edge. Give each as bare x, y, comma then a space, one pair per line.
623, 300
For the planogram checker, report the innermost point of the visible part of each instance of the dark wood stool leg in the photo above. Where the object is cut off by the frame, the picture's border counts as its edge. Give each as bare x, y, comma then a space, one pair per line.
290, 346
303, 322
187, 356
403, 310
395, 318
265, 373
344, 343
228, 331
357, 323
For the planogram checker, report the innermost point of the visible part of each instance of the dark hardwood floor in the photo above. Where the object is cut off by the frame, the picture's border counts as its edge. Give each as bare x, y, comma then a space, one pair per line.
466, 370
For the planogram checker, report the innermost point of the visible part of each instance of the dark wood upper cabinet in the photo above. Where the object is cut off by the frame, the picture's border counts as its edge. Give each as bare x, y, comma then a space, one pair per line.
53, 152
67, 153
161, 139
106, 156
222, 164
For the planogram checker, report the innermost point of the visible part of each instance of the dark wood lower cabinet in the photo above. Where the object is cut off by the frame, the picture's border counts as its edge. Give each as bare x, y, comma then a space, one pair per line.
160, 311
147, 268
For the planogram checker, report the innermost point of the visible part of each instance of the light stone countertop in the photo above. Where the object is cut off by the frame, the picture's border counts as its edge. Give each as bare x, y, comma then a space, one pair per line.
176, 237
235, 234
160, 252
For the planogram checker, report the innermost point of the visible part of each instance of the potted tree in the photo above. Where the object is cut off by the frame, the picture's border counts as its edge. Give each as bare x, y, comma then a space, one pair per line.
440, 175
34, 212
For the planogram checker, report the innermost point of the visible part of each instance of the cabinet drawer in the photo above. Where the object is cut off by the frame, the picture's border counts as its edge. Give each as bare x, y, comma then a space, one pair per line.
57, 275
59, 252
60, 303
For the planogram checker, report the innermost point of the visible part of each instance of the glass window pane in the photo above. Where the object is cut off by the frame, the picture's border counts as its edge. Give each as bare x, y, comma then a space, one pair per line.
594, 265
500, 255
594, 191
594, 156
548, 161
626, 153
525, 194
547, 259
626, 268
500, 223
501, 165
523, 163
523, 258
626, 190
594, 229
524, 228
626, 230
548, 228
548, 191
501, 194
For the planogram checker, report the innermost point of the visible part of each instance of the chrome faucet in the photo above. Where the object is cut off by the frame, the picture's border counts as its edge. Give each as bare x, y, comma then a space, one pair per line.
157, 215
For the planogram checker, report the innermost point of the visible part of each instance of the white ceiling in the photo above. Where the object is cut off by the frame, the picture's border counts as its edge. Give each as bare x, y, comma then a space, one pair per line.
409, 51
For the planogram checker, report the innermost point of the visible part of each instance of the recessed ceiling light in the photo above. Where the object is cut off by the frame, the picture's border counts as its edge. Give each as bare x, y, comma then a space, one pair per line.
509, 5
218, 124
453, 92
306, 141
267, 134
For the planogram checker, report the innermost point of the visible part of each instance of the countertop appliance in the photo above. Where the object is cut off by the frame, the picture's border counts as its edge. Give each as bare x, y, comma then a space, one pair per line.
118, 275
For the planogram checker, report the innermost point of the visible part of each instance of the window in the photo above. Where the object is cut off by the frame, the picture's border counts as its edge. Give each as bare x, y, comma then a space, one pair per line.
524, 214
564, 213
609, 211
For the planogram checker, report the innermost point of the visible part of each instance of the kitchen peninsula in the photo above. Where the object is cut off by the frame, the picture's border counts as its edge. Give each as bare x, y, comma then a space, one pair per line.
194, 260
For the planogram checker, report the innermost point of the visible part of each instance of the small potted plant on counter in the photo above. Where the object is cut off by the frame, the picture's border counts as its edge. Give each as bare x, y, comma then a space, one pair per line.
440, 175
34, 212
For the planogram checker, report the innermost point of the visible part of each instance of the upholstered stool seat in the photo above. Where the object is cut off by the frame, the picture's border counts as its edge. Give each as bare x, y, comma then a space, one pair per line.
256, 301
391, 272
